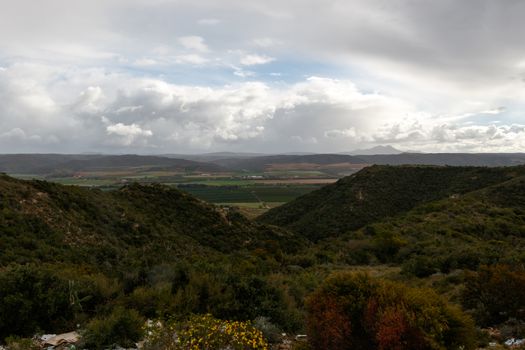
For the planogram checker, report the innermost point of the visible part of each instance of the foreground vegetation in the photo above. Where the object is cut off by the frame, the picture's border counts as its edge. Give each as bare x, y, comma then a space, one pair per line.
440, 249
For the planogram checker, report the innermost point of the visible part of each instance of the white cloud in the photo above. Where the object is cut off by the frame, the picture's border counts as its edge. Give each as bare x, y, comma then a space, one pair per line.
146, 62
193, 42
96, 111
350, 132
252, 59
190, 59
209, 21
242, 72
266, 42
128, 133
15, 133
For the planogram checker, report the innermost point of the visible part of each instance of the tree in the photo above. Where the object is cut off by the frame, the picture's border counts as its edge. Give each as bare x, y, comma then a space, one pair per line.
495, 294
355, 311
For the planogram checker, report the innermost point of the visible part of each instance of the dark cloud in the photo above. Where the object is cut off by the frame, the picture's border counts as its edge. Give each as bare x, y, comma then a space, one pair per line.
97, 75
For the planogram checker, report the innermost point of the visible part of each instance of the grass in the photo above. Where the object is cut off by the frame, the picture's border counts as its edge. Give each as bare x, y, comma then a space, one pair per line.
218, 188
248, 194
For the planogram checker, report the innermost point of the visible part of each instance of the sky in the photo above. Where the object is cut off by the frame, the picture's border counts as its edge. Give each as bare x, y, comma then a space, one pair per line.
270, 76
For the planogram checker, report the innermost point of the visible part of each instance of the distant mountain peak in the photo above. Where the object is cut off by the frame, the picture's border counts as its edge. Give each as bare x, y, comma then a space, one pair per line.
381, 149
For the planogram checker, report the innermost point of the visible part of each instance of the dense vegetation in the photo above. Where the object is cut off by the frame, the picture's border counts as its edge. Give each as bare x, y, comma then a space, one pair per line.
70, 253
483, 227
353, 311
379, 192
55, 164
110, 260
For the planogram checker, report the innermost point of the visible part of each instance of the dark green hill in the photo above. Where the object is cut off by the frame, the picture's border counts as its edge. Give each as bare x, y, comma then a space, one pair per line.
70, 254
49, 164
378, 192
263, 162
45, 222
452, 159
483, 227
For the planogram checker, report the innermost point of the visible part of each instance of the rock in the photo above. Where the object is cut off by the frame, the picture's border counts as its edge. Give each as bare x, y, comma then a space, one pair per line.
60, 339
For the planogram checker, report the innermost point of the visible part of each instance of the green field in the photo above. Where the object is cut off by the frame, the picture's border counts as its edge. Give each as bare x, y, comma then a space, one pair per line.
248, 194
230, 189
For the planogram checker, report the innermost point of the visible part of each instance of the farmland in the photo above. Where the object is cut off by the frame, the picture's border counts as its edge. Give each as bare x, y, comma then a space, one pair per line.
252, 184
253, 192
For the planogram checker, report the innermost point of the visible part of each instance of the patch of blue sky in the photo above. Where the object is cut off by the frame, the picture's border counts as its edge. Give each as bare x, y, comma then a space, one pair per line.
295, 71
183, 74
213, 74
505, 117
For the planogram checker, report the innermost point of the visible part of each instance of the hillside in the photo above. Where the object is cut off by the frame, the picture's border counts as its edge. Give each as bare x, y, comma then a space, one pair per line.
49, 164
72, 255
452, 159
376, 193
45, 222
483, 227
266, 162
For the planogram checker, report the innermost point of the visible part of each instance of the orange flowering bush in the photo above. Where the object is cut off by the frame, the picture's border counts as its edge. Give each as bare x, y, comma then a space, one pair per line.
354, 311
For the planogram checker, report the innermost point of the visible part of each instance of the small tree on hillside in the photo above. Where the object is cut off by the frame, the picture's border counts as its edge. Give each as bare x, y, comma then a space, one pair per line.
354, 311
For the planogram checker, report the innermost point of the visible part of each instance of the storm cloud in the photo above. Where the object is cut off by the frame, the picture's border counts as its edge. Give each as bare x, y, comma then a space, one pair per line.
320, 76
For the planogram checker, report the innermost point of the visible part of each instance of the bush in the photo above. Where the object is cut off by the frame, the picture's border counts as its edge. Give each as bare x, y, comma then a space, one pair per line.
32, 299
271, 332
122, 327
16, 343
495, 294
420, 266
204, 332
354, 311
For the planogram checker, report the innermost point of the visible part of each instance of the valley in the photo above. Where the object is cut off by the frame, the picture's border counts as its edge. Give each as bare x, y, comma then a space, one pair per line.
166, 251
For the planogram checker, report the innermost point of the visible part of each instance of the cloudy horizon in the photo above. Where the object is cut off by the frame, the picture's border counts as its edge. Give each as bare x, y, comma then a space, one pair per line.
178, 76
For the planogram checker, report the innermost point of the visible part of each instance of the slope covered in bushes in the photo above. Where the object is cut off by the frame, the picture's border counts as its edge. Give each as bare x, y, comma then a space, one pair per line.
45, 222
379, 192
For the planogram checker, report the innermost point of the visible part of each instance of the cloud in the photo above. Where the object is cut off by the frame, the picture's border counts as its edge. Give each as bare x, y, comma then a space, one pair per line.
15, 133
146, 62
127, 134
190, 59
94, 110
193, 42
251, 59
208, 21
266, 42
421, 75
350, 132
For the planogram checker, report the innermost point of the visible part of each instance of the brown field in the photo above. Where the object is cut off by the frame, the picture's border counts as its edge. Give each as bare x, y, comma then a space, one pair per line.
344, 166
313, 166
295, 181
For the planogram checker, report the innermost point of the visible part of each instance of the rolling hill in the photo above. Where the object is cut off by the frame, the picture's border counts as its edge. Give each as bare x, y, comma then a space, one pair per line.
46, 222
452, 159
266, 162
49, 164
482, 227
378, 192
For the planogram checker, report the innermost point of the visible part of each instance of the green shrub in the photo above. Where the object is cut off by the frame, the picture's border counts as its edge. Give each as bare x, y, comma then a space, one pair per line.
122, 327
495, 294
17, 343
31, 299
271, 332
354, 311
420, 266
204, 332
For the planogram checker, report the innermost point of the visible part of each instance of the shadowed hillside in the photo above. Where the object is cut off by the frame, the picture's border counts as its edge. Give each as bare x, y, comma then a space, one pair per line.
378, 192
265, 162
43, 222
48, 164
